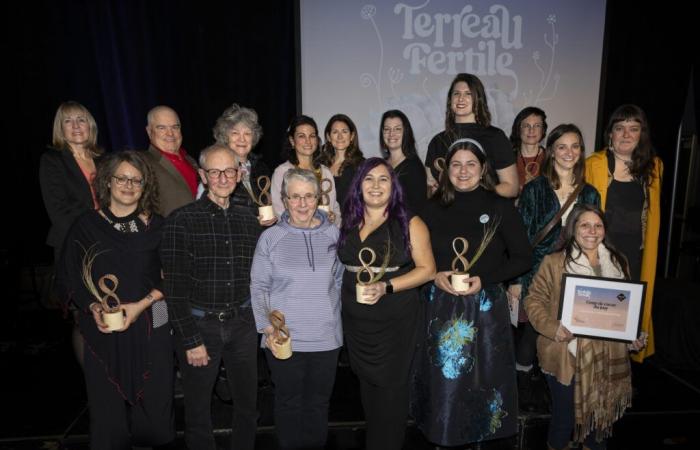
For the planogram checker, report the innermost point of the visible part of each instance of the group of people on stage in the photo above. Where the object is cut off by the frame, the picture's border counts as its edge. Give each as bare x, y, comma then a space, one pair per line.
359, 252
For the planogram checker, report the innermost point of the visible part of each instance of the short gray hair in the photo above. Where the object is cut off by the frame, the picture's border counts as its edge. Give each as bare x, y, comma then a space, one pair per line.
298, 175
232, 116
214, 148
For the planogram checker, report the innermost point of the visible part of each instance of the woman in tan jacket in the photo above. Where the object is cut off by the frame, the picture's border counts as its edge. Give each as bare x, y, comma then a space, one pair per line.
589, 379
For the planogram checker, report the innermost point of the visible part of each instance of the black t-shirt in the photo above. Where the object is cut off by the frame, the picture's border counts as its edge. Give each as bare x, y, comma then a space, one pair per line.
499, 151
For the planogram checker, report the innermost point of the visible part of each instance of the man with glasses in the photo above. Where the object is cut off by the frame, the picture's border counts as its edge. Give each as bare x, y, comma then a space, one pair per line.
206, 252
175, 170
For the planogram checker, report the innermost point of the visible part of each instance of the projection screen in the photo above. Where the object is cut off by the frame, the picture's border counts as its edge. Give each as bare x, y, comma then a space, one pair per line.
362, 58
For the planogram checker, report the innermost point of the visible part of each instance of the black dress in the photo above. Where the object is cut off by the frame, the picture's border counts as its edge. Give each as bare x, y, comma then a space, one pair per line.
412, 178
623, 211
128, 374
343, 182
380, 337
464, 386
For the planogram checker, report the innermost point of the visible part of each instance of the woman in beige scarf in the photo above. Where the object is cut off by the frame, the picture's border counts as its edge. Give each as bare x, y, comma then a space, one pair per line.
589, 379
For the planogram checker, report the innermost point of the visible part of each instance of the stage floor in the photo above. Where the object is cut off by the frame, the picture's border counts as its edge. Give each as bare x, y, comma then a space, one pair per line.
44, 401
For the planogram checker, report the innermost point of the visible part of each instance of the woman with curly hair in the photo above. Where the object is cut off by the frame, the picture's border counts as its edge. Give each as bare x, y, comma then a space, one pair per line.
111, 258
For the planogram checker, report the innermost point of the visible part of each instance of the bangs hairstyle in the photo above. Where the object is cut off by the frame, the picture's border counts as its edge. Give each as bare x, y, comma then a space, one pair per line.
445, 192
149, 201
480, 105
515, 139
354, 206
568, 237
353, 154
64, 110
408, 141
232, 116
548, 170
642, 167
288, 152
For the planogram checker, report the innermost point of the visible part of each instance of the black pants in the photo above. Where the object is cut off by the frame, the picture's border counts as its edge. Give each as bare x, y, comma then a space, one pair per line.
232, 341
386, 412
303, 387
562, 422
526, 344
116, 425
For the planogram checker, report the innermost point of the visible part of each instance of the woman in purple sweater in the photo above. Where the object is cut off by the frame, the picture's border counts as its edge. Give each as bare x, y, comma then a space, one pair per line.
296, 272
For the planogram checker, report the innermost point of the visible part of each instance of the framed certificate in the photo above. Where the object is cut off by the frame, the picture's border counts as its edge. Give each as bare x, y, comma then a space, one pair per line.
601, 308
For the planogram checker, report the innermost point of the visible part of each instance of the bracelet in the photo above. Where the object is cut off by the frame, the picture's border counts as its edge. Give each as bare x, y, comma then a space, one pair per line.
150, 298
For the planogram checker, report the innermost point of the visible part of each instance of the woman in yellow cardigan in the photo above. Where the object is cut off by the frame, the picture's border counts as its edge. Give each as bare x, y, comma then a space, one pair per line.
627, 174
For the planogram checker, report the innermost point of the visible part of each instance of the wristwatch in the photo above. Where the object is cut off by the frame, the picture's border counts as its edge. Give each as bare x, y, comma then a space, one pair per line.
389, 288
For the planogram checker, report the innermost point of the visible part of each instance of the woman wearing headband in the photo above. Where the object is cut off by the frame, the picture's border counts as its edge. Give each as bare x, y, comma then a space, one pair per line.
468, 116
544, 205
464, 387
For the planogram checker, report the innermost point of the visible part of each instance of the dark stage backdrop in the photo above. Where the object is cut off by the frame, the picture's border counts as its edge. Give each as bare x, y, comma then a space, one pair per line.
121, 58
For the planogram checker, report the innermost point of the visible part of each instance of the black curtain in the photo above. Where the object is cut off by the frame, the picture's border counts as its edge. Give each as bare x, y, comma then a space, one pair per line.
121, 58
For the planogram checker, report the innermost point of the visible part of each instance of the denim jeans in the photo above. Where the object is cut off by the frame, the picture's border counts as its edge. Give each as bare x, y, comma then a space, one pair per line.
561, 424
233, 341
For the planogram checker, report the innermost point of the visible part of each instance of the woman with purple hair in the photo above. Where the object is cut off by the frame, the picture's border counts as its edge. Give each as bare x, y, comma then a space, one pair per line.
381, 331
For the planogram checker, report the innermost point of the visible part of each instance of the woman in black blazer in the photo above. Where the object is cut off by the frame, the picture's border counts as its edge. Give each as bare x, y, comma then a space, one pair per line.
65, 174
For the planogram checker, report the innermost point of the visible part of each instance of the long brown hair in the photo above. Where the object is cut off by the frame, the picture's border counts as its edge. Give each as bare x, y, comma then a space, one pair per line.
548, 170
570, 246
353, 154
480, 105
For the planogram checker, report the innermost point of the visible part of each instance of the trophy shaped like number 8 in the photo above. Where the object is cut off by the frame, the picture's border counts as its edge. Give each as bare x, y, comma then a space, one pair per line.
458, 279
375, 274
282, 340
325, 200
263, 200
112, 313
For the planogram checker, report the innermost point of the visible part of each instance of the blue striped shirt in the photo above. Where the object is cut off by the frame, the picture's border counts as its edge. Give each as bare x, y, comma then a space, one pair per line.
296, 271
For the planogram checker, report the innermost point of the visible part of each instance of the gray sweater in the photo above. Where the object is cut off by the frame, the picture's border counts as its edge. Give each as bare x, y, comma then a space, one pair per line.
296, 271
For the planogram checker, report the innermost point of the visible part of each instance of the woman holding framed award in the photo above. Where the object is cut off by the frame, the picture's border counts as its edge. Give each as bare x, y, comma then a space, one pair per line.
380, 316
464, 386
589, 379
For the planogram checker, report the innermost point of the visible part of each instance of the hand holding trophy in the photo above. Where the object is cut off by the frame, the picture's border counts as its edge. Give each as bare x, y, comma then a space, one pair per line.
280, 338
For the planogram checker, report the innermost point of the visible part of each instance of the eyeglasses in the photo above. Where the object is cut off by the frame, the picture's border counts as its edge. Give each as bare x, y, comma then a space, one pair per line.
296, 198
527, 126
395, 130
229, 172
136, 183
